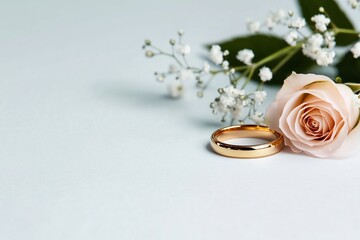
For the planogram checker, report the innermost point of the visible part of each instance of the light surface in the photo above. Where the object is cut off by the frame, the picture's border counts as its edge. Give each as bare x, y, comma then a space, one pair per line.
90, 147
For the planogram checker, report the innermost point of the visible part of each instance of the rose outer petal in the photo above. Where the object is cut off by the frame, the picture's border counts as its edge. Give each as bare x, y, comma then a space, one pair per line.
351, 144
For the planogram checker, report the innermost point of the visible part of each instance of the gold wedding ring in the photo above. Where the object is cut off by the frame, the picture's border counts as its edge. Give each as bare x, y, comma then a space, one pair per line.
275, 144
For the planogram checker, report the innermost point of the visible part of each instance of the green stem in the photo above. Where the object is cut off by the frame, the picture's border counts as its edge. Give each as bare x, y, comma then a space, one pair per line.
172, 55
285, 60
345, 31
260, 86
277, 54
186, 63
239, 68
251, 73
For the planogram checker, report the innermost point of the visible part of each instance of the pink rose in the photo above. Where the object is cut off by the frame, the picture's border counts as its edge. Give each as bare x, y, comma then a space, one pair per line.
316, 116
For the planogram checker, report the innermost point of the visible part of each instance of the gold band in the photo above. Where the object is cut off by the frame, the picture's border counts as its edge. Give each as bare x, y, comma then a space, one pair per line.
247, 151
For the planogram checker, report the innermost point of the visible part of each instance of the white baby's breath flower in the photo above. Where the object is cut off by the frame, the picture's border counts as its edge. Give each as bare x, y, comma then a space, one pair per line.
245, 56
316, 40
356, 50
183, 49
325, 57
225, 53
245, 102
232, 91
236, 111
228, 101
216, 55
354, 3
297, 23
329, 38
259, 96
160, 78
181, 32
185, 74
253, 26
275, 18
291, 38
218, 107
173, 68
265, 74
313, 45
270, 23
314, 49
258, 118
321, 22
206, 67
176, 89
225, 65
279, 15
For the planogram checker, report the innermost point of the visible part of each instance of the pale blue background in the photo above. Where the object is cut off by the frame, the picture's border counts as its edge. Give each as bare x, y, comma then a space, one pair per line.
90, 147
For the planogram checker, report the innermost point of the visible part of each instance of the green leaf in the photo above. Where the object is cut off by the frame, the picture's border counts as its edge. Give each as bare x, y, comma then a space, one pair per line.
263, 46
349, 68
310, 8
355, 87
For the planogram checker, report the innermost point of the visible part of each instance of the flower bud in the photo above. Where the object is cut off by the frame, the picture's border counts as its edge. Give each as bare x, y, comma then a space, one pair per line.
147, 42
149, 54
160, 78
338, 80
172, 42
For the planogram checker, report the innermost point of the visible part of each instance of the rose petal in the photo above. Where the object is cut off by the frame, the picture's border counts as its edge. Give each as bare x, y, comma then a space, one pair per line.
352, 108
326, 150
350, 145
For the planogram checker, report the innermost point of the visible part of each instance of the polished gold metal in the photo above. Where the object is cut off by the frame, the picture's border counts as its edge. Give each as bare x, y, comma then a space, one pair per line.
247, 151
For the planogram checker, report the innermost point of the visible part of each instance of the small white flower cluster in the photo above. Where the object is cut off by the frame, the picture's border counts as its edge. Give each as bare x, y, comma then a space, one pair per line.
354, 3
296, 22
265, 74
217, 56
183, 49
245, 56
320, 47
232, 101
321, 22
181, 69
235, 102
274, 18
356, 50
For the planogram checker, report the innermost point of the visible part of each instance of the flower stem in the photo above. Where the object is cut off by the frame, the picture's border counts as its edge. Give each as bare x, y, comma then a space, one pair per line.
276, 55
285, 60
345, 31
251, 73
172, 55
